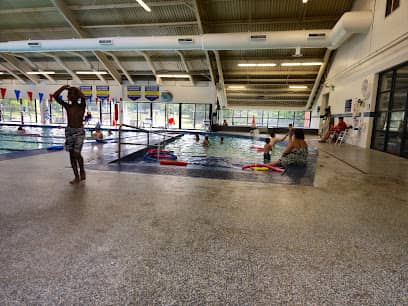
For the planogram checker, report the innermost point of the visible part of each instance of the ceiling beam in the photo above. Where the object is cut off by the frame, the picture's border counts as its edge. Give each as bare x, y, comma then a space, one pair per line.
183, 61
201, 31
87, 63
274, 81
273, 21
129, 78
69, 17
142, 25
9, 71
266, 95
66, 68
268, 90
150, 63
101, 26
34, 66
270, 72
22, 67
90, 7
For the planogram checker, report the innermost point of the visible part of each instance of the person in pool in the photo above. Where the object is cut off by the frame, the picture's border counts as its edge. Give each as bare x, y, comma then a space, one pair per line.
267, 149
74, 132
295, 153
21, 130
275, 139
206, 141
197, 137
222, 140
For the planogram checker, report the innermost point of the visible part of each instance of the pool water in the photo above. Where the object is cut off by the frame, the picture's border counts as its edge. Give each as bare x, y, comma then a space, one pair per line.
10, 141
234, 152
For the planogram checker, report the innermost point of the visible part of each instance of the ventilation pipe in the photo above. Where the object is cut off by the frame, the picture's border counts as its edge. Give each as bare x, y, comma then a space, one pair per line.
350, 23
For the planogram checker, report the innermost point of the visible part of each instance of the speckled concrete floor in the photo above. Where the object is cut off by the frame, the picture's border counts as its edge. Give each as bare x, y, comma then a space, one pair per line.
131, 238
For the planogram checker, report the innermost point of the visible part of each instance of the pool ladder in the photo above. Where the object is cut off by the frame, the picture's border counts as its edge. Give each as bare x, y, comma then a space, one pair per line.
148, 132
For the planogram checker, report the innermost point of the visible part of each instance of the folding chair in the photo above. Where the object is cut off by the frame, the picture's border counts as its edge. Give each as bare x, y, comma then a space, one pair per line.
341, 138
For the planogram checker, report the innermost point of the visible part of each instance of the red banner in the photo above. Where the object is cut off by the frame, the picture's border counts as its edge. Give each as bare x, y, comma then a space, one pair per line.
51, 97
3, 92
30, 95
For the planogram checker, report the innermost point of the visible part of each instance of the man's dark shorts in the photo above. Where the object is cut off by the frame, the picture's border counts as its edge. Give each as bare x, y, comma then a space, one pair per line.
74, 139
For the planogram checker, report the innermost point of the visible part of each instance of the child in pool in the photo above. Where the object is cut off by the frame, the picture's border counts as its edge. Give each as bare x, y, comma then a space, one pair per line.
267, 149
206, 142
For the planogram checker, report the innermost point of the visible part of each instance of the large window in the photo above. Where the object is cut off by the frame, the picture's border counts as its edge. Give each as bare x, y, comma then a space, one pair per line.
390, 123
266, 118
187, 116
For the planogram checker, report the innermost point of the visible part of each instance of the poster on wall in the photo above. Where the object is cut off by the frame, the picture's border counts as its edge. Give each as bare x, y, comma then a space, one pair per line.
134, 92
87, 91
152, 92
102, 92
347, 105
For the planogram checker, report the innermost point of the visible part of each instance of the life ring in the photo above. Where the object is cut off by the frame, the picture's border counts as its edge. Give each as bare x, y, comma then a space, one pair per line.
161, 155
259, 168
258, 148
173, 162
277, 169
155, 151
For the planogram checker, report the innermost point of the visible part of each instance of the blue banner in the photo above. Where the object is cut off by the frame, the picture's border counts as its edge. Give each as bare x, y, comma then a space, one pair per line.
87, 91
40, 96
152, 92
102, 92
17, 92
134, 92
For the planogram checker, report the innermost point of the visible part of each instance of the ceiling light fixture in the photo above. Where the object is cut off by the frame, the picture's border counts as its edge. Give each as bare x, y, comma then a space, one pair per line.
40, 72
297, 86
91, 72
312, 64
181, 76
301, 64
304, 1
144, 5
257, 65
1, 72
236, 87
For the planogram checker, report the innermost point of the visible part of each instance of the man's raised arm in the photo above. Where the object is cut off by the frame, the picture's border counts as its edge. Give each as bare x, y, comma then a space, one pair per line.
58, 93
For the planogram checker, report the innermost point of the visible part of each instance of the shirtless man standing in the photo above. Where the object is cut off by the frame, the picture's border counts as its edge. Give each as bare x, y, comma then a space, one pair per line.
74, 132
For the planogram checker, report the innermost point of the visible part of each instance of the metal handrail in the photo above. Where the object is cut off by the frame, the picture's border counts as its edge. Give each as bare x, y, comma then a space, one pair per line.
140, 130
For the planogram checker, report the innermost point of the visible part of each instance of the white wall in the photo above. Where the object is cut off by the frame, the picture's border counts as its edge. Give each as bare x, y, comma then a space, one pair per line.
183, 92
363, 57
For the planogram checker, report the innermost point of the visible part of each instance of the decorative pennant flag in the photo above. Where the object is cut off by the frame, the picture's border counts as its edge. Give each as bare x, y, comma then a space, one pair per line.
134, 92
17, 92
40, 96
30, 95
3, 92
51, 97
152, 92
87, 91
60, 97
102, 92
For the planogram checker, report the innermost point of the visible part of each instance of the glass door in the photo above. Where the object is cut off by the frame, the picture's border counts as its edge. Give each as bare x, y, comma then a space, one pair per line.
390, 125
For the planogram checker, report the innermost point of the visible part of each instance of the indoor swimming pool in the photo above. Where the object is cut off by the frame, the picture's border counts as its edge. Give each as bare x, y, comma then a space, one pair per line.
233, 152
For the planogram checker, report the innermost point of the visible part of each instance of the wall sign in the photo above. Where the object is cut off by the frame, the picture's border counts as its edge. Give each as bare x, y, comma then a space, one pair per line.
87, 91
102, 92
152, 92
134, 92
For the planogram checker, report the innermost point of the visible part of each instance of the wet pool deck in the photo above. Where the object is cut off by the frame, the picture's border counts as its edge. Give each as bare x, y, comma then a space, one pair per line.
146, 239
